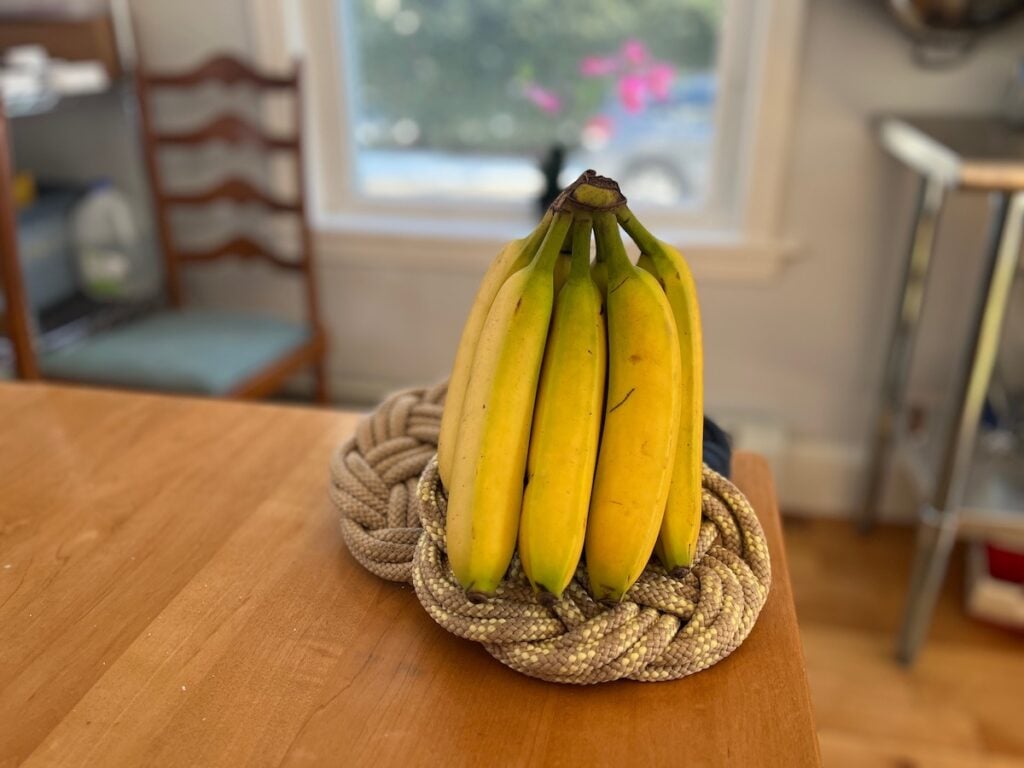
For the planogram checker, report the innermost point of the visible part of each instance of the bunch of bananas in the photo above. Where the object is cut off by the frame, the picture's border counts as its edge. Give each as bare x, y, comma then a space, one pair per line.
574, 416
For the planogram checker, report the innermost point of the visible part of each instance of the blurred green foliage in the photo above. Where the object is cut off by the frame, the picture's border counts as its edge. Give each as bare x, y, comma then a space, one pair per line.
455, 72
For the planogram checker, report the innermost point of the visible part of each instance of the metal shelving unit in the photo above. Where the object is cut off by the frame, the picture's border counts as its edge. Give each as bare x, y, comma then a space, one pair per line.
104, 41
973, 492
993, 504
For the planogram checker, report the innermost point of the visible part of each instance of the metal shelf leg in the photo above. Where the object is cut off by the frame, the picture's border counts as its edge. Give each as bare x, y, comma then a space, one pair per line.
936, 535
922, 244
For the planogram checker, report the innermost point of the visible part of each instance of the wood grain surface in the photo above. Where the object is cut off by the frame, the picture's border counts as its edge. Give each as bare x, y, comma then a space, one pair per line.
174, 591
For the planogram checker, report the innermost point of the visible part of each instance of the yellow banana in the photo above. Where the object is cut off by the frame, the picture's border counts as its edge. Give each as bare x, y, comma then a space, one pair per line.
566, 429
677, 542
641, 423
513, 257
486, 492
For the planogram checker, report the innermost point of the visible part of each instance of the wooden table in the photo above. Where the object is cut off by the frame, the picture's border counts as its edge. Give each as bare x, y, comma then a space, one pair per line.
174, 591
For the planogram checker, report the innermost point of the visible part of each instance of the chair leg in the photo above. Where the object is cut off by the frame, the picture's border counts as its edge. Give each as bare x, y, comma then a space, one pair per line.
320, 394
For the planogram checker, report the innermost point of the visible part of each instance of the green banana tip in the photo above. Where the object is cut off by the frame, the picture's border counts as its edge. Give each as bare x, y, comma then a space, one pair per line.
476, 597
607, 596
545, 597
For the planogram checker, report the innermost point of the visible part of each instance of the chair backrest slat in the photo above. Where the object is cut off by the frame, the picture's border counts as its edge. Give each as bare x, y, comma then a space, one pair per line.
245, 248
224, 69
230, 129
233, 189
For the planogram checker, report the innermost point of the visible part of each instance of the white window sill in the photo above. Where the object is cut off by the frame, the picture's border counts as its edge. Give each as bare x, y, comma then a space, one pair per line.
466, 245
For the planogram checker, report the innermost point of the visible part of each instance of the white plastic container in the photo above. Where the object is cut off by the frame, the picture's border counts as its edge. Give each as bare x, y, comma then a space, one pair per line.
107, 246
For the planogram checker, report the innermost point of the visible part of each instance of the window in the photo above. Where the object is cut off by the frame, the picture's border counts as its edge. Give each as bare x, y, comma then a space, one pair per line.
432, 117
462, 99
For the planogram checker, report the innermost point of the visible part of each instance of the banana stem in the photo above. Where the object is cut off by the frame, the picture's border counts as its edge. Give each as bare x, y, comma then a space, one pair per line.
567, 242
581, 227
637, 232
600, 252
534, 239
606, 229
551, 247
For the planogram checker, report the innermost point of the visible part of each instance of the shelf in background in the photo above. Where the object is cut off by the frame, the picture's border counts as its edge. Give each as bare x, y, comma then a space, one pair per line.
73, 39
994, 500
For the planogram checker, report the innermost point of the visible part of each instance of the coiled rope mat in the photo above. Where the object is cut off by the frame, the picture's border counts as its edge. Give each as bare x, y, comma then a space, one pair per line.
384, 482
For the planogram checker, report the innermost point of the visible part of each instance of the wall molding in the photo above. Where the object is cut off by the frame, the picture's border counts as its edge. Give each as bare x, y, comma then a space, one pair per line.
819, 478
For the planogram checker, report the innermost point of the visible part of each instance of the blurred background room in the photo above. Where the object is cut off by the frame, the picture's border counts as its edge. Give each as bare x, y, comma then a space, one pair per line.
296, 200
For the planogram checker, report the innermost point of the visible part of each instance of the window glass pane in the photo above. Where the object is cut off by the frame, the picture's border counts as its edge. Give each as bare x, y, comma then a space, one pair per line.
463, 98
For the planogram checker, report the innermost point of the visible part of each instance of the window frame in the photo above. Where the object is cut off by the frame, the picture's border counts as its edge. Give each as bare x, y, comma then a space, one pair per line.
743, 240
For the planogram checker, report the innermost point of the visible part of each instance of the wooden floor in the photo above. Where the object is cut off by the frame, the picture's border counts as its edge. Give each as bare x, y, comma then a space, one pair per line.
961, 706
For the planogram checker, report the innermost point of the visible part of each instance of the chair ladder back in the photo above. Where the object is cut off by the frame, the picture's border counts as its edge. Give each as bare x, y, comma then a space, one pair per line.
233, 130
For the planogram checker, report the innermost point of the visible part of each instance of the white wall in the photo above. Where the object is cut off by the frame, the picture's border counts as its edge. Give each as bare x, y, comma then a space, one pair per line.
800, 352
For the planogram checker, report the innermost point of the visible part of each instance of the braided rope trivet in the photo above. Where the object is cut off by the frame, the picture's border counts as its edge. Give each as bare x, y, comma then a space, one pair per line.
385, 484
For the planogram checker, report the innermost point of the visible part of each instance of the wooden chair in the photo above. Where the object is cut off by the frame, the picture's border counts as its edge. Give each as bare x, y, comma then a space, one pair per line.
183, 349
14, 320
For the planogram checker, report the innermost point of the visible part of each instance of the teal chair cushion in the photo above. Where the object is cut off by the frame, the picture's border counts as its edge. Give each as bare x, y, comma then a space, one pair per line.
191, 350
